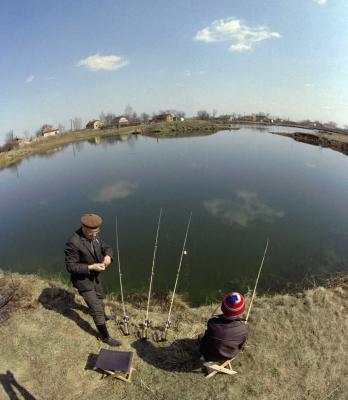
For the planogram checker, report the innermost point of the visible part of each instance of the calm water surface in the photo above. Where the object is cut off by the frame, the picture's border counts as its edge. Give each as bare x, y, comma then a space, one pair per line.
241, 186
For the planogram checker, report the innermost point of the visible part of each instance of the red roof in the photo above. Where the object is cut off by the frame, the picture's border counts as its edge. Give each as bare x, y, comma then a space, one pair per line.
47, 130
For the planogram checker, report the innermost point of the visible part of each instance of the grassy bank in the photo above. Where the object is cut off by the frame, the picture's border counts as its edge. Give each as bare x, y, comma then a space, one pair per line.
164, 129
185, 128
297, 349
334, 141
45, 145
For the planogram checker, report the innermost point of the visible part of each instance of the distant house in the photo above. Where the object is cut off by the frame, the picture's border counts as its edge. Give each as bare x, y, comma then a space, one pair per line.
248, 118
163, 117
260, 117
121, 120
95, 124
49, 132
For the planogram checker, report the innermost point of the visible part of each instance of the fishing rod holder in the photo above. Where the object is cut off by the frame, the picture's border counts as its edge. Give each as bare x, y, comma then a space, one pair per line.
144, 327
124, 325
167, 324
164, 334
147, 323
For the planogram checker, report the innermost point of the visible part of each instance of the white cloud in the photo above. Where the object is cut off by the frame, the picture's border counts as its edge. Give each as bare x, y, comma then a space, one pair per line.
240, 47
187, 73
245, 209
98, 62
118, 190
321, 2
242, 36
29, 78
308, 85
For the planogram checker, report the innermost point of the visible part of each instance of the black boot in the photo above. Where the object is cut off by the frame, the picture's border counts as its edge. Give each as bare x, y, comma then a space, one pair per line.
104, 335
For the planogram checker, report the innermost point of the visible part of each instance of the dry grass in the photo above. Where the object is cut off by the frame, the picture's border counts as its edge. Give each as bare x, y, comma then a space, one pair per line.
297, 349
189, 127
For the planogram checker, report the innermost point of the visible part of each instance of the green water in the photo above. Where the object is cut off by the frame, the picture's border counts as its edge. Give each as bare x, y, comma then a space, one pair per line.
241, 186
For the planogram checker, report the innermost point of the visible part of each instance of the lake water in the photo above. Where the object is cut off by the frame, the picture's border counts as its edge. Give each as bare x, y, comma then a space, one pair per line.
242, 187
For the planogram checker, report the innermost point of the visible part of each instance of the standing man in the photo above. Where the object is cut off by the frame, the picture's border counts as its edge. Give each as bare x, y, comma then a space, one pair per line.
86, 256
226, 333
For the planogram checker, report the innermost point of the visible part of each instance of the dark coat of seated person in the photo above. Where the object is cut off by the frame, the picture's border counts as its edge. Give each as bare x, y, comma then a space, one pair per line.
226, 333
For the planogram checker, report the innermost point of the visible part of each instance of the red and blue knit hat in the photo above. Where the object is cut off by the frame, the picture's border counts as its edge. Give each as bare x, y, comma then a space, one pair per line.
233, 304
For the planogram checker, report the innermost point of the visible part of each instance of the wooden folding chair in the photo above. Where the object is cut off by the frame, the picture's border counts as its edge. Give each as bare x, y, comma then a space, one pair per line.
224, 368
116, 364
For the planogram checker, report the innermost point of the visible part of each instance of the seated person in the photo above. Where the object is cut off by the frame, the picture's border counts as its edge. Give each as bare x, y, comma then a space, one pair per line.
226, 333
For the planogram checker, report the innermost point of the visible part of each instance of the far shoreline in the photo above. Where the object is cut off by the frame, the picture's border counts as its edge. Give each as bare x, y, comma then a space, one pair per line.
186, 128
163, 129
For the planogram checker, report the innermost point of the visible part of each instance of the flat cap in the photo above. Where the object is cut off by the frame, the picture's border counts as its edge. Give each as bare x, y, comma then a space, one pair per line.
91, 220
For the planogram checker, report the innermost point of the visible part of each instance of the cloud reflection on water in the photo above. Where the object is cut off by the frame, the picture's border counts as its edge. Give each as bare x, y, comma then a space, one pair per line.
118, 190
244, 209
310, 165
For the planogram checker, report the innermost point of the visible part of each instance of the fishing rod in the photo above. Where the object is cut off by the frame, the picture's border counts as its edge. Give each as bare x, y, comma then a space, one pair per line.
257, 280
147, 322
125, 320
254, 292
183, 251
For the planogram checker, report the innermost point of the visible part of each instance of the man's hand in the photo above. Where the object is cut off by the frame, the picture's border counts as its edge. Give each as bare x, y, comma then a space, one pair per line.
107, 260
97, 267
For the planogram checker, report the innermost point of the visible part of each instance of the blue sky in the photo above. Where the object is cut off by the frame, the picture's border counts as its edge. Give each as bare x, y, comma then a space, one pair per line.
65, 59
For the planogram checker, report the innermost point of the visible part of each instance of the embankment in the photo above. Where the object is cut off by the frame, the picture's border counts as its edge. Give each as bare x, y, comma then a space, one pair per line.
297, 349
164, 129
333, 141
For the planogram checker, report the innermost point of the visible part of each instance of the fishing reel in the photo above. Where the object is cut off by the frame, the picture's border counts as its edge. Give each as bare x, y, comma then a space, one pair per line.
166, 327
124, 325
145, 326
167, 324
147, 323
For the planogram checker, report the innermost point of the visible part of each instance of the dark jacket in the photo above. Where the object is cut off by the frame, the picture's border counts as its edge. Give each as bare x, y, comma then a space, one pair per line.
224, 338
79, 254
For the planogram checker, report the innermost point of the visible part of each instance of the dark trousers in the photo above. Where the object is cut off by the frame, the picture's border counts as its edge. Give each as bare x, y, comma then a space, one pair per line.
94, 300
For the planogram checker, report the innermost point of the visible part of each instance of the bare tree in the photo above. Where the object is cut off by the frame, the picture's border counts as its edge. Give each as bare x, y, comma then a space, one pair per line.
134, 117
108, 119
214, 112
180, 114
26, 134
61, 128
128, 111
144, 117
102, 117
9, 143
6, 147
202, 114
331, 124
77, 123
9, 136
